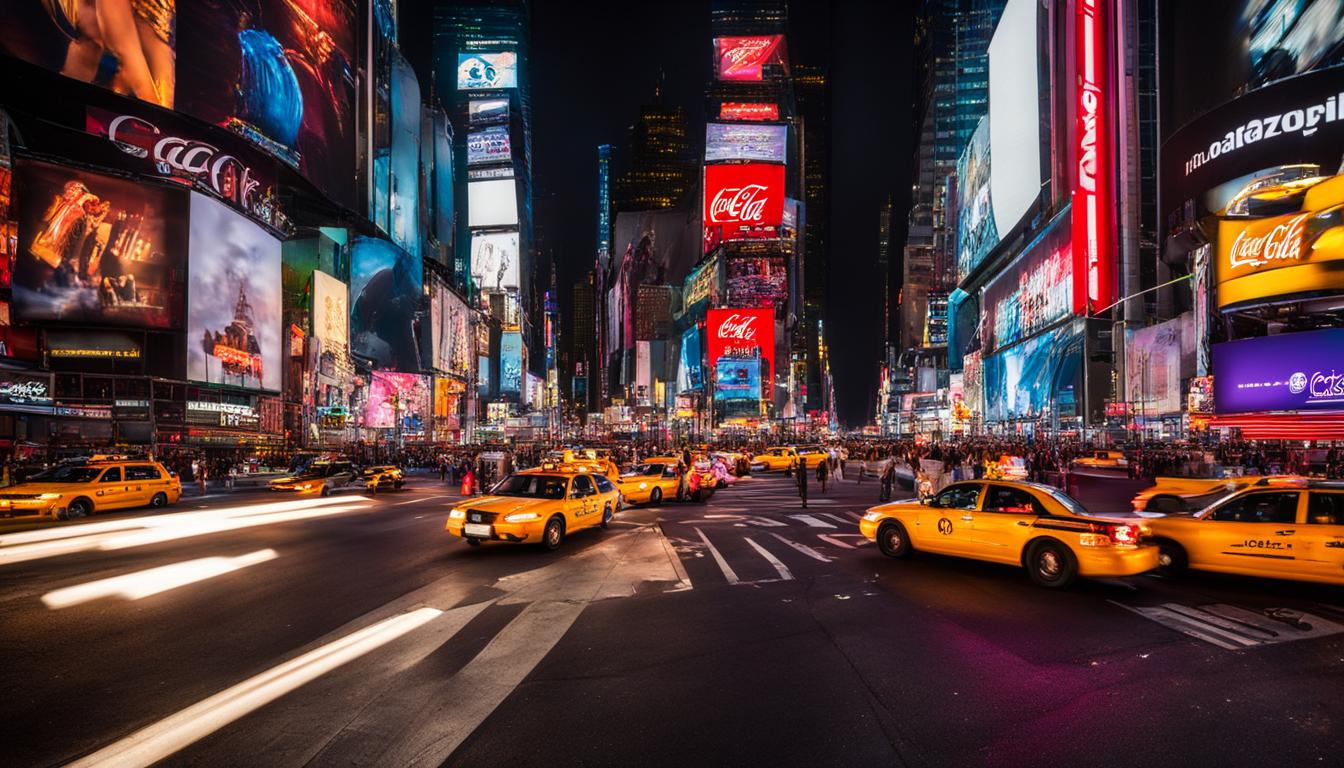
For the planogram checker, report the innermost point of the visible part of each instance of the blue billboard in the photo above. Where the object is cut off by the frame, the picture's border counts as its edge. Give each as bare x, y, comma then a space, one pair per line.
737, 387
1036, 378
511, 363
692, 373
386, 291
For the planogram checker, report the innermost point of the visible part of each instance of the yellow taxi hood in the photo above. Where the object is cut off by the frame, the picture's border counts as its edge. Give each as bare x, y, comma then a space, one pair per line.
505, 505
41, 487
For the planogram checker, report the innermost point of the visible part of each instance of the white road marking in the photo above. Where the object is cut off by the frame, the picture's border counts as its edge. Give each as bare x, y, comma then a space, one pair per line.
857, 517
718, 558
806, 550
836, 518
417, 501
812, 521
1233, 628
766, 522
134, 586
783, 569
168, 736
832, 540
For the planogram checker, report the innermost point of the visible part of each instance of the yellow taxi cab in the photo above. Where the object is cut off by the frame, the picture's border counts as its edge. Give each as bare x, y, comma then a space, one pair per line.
99, 485
600, 457
542, 505
658, 478
1035, 526
1102, 460
383, 476
321, 478
1276, 528
785, 457
1169, 495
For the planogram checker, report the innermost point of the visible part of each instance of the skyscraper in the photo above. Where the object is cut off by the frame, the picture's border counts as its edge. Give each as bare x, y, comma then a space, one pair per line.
814, 128
659, 168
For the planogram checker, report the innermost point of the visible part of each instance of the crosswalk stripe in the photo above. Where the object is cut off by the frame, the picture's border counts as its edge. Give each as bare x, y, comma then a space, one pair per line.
784, 572
812, 521
836, 518
718, 558
806, 550
857, 517
835, 541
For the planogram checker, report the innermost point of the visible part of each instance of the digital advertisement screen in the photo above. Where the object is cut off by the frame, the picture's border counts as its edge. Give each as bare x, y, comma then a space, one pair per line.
494, 261
1025, 381
757, 281
443, 193
450, 334
280, 73
691, 374
489, 146
331, 314
650, 248
741, 333
976, 232
1033, 292
492, 203
394, 397
510, 363
737, 387
486, 111
1286, 372
483, 71
745, 141
97, 249
736, 110
1157, 360
233, 299
404, 193
1014, 115
482, 376
750, 194
386, 291
745, 57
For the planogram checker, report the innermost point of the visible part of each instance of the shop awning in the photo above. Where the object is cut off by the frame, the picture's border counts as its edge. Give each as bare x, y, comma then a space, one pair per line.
1284, 426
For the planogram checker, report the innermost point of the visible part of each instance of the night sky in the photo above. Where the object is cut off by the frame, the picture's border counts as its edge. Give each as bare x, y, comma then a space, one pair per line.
595, 63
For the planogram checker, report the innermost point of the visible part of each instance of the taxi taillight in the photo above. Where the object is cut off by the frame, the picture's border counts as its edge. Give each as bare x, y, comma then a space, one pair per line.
1106, 535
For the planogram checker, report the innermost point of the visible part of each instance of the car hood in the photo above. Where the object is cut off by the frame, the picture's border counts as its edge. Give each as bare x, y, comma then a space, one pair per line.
507, 505
40, 488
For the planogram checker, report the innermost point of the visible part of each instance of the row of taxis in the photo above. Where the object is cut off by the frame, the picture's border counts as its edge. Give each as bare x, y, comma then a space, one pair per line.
786, 457
1286, 528
102, 483
322, 478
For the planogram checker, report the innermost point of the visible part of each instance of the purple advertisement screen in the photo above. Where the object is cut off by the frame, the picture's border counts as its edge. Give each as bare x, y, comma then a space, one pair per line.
1288, 372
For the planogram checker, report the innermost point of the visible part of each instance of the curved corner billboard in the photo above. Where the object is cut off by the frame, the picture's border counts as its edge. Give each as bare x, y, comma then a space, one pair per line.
1287, 372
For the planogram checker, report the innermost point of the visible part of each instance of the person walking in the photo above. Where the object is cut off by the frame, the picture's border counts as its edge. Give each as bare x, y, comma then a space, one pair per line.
800, 474
823, 473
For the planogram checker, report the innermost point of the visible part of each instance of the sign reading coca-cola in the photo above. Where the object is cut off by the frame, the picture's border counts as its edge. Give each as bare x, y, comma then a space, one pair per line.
739, 110
741, 333
1094, 284
751, 194
1276, 257
744, 58
222, 165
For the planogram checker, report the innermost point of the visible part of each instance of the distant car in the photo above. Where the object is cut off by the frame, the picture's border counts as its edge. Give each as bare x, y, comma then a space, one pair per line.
542, 505
785, 457
383, 476
658, 479
78, 490
321, 478
1102, 460
1033, 526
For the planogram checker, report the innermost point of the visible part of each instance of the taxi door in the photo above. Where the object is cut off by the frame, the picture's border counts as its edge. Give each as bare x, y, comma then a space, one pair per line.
1255, 534
580, 507
111, 491
944, 525
142, 482
1004, 524
1322, 536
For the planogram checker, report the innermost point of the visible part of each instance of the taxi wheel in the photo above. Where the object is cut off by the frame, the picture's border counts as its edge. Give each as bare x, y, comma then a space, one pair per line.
326, 491
159, 501
77, 509
1051, 564
554, 533
606, 516
474, 542
656, 497
1171, 558
892, 540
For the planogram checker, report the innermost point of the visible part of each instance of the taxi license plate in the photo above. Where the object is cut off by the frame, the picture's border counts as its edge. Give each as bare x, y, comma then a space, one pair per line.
476, 529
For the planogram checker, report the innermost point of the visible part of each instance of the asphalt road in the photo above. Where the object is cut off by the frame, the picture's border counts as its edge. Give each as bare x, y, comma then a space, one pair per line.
746, 631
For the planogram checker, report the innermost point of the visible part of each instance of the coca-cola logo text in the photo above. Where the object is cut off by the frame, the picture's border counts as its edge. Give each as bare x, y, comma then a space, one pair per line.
1284, 241
738, 327
746, 51
744, 204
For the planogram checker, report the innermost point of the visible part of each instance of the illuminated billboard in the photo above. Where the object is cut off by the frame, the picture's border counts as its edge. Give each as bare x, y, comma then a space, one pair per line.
511, 363
1032, 293
394, 398
386, 290
404, 193
1286, 372
690, 373
331, 314
97, 249
745, 141
737, 387
1093, 219
1036, 378
482, 376
757, 281
494, 261
650, 248
1014, 114
489, 146
1158, 359
484, 111
744, 195
450, 333
736, 110
233, 299
492, 203
279, 73
484, 71
741, 333
745, 57
976, 232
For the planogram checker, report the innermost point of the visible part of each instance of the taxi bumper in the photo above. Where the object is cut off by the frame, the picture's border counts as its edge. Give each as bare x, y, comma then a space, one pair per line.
499, 531
30, 507
869, 527
1116, 561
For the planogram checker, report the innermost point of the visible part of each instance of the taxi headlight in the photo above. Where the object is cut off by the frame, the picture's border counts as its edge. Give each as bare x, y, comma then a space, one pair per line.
872, 516
643, 486
457, 514
520, 517
305, 486
49, 496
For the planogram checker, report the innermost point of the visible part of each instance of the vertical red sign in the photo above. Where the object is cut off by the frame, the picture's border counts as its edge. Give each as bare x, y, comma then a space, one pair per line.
1094, 263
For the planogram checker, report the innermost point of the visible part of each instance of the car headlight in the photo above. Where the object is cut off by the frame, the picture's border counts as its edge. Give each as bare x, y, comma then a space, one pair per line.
872, 516
643, 486
457, 514
305, 486
520, 517
49, 496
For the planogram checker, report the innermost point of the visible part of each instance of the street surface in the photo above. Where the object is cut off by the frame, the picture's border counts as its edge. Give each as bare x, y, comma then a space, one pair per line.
253, 629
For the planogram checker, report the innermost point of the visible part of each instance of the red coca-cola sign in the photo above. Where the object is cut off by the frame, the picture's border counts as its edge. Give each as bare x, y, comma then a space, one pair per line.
741, 333
738, 110
742, 58
751, 194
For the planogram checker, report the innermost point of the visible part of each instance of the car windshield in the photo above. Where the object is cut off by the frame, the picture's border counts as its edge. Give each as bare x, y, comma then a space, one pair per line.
651, 469
531, 486
68, 475
1068, 501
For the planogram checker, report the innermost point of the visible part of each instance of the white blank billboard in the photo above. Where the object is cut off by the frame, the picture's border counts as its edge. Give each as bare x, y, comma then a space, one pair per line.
1014, 115
492, 203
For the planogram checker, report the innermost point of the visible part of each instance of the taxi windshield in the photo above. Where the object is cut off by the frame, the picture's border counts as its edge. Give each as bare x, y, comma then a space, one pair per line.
1068, 501
68, 475
531, 486
651, 469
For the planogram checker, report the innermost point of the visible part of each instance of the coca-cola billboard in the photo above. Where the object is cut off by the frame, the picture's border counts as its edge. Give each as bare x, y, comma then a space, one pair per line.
741, 333
750, 195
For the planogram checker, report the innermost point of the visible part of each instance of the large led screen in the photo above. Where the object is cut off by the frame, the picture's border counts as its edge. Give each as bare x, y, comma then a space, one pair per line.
745, 141
484, 111
1287, 372
745, 57
690, 374
492, 203
483, 71
450, 333
1035, 378
511, 363
1014, 114
741, 333
976, 232
494, 261
757, 281
280, 73
397, 397
386, 288
737, 387
331, 314
1032, 293
736, 110
97, 249
404, 193
128, 47
490, 145
1158, 359
651, 248
751, 194
233, 299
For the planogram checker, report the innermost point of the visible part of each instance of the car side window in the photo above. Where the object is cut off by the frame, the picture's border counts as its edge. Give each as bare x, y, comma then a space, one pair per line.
582, 486
604, 485
141, 472
1325, 508
958, 497
112, 475
1002, 498
1267, 507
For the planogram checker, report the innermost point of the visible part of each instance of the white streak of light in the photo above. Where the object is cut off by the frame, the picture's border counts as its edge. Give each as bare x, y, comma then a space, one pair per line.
134, 586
